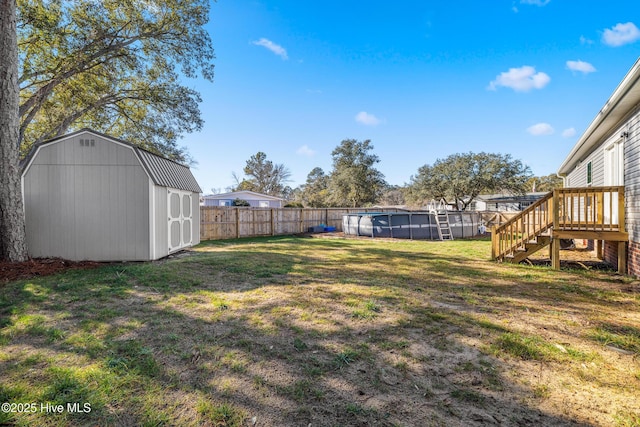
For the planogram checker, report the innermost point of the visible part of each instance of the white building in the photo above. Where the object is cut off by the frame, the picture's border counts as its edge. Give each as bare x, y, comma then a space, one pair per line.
255, 200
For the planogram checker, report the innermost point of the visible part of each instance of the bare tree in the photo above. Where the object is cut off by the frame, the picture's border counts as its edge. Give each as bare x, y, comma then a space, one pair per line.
263, 176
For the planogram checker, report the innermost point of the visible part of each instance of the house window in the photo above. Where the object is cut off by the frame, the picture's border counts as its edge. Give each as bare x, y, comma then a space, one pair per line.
589, 173
225, 203
264, 204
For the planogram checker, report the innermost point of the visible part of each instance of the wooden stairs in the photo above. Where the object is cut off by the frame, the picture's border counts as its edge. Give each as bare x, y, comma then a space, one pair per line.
591, 213
528, 249
525, 233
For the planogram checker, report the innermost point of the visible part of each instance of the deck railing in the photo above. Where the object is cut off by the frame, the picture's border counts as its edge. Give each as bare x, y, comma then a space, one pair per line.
588, 209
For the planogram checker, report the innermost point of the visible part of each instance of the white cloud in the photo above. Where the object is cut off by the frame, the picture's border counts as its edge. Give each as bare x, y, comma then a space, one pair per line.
367, 119
305, 151
536, 2
514, 8
521, 79
273, 47
581, 66
568, 133
621, 34
584, 40
540, 129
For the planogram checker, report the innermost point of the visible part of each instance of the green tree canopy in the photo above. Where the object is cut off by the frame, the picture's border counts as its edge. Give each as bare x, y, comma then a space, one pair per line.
460, 178
315, 191
114, 66
354, 180
264, 176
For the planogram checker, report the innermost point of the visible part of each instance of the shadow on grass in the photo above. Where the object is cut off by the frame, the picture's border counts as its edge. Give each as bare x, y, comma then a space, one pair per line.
292, 331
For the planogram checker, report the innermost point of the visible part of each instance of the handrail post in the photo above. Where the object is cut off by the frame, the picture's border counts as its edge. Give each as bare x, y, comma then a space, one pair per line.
556, 209
494, 242
621, 217
555, 242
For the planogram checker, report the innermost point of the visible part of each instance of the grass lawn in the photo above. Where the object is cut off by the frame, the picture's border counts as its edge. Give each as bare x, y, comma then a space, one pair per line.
293, 331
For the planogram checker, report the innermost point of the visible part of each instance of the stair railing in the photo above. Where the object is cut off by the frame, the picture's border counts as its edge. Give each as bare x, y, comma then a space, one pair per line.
531, 222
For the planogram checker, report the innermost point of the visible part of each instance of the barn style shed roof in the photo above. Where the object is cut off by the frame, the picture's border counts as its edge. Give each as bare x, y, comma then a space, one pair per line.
163, 172
167, 173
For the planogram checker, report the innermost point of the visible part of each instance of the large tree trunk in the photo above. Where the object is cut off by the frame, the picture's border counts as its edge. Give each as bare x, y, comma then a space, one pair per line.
13, 245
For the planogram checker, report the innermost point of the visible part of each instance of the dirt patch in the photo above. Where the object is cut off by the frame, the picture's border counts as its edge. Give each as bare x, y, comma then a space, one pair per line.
579, 256
10, 271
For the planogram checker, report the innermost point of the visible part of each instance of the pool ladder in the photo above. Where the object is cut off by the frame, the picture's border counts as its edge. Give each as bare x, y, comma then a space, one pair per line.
442, 219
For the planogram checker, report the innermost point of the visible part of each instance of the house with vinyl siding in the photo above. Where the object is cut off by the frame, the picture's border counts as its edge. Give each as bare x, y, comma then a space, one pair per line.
504, 202
600, 197
608, 154
255, 200
89, 196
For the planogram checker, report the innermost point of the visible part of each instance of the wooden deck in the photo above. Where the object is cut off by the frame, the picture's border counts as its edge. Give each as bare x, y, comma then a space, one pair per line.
592, 213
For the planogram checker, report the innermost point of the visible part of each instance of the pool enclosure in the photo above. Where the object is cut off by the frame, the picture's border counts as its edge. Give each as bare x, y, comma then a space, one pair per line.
433, 225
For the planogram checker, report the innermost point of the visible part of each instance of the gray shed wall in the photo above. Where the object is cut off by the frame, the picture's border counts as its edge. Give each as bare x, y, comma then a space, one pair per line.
87, 202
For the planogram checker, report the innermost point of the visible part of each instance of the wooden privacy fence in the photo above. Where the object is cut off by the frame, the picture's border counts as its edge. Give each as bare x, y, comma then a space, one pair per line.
223, 222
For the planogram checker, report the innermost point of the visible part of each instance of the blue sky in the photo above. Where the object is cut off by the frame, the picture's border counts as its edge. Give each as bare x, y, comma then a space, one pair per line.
420, 79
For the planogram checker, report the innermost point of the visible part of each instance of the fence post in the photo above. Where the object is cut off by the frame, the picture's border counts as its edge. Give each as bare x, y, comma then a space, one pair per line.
237, 223
253, 221
273, 223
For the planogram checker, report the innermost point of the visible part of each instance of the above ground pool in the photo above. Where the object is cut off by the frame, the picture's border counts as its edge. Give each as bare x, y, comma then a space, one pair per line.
412, 225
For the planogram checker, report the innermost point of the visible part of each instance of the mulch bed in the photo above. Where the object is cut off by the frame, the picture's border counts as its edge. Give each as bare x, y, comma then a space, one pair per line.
10, 271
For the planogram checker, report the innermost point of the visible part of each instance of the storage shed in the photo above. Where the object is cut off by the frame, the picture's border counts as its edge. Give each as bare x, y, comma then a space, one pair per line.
89, 196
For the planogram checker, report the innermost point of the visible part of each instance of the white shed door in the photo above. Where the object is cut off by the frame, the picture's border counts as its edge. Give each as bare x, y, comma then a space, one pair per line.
180, 219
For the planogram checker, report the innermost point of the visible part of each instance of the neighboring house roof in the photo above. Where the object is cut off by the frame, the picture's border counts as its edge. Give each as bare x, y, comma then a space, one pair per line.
610, 117
244, 194
163, 172
508, 198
